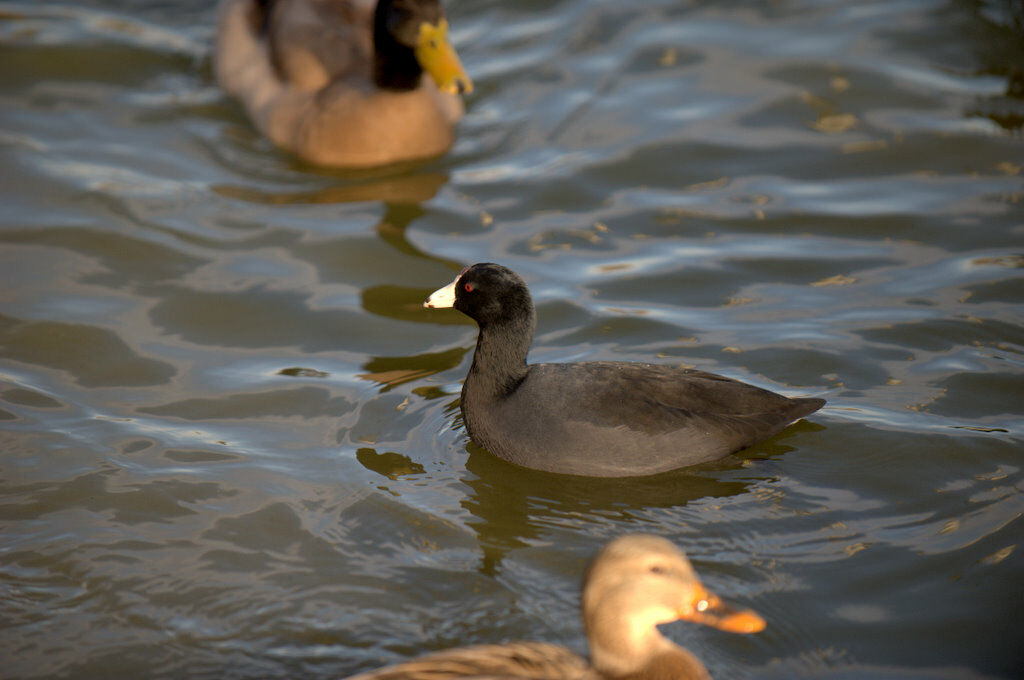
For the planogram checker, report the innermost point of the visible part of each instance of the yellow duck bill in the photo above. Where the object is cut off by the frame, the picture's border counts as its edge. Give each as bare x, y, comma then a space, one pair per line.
438, 58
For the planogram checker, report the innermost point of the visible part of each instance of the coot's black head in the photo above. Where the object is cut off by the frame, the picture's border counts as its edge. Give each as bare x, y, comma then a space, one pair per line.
487, 293
410, 37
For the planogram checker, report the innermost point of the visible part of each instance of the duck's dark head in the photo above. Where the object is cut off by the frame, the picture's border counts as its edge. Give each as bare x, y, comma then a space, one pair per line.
410, 37
487, 293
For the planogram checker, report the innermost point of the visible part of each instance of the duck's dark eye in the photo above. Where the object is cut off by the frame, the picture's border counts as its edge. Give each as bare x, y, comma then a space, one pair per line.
657, 569
468, 286
433, 44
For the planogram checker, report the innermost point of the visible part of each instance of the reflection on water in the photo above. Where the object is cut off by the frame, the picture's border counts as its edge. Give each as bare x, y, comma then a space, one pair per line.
229, 433
512, 505
411, 189
390, 464
391, 372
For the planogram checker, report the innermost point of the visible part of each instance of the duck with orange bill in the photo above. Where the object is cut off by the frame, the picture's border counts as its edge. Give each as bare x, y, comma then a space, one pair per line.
634, 584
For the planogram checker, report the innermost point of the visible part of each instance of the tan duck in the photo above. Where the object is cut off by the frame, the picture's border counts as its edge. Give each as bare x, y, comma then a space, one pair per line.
633, 584
344, 83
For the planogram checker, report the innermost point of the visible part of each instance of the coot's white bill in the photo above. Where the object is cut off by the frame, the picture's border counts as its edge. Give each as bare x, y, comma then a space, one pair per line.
443, 298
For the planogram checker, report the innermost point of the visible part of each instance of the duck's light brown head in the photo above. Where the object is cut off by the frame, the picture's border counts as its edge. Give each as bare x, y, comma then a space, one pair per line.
637, 582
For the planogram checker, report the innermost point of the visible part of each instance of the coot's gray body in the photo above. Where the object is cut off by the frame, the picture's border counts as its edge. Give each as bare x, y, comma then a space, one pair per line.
599, 419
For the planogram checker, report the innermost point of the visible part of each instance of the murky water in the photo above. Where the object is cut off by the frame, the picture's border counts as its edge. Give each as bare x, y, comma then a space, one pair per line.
230, 440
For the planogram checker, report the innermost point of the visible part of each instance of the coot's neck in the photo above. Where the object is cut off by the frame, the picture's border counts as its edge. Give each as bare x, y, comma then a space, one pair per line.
394, 64
499, 363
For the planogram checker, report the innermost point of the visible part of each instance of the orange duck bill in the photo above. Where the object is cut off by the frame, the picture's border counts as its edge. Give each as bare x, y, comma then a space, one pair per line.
708, 609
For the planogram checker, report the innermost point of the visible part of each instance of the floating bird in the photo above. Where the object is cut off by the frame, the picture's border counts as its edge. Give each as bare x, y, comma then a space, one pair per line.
635, 583
598, 419
344, 83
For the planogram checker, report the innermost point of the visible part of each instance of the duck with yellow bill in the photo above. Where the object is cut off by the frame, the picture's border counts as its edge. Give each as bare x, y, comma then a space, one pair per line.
344, 83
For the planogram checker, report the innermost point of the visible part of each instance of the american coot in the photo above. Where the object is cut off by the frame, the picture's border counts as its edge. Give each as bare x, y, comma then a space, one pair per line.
633, 584
341, 82
603, 418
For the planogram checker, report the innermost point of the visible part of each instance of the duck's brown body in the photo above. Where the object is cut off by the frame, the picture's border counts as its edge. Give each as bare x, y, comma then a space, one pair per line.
633, 584
523, 660
305, 72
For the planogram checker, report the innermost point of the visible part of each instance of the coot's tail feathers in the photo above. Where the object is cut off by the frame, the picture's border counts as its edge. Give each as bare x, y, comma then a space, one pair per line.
805, 406
753, 428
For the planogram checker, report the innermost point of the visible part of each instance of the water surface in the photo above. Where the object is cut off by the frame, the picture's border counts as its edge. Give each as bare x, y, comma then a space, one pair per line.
229, 436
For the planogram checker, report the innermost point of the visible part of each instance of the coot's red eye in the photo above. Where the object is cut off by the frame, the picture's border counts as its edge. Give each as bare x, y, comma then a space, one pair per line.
468, 287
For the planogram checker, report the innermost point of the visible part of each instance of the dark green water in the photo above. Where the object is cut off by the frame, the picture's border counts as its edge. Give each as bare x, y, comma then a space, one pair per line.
229, 443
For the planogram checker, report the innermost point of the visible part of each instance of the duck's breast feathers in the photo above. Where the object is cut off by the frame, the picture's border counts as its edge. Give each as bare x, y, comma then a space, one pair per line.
347, 126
